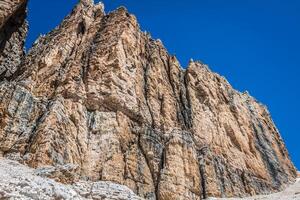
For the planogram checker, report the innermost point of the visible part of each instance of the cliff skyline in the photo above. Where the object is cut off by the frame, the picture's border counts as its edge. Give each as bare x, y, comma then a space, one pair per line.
240, 41
99, 109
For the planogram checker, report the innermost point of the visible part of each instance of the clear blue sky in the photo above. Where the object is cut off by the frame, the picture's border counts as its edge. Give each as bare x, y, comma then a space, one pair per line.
255, 44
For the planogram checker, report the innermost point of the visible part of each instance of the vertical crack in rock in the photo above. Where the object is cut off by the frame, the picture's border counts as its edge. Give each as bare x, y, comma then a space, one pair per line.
146, 70
155, 182
201, 159
185, 99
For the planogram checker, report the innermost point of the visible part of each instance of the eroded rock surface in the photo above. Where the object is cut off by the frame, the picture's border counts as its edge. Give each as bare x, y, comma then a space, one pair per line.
99, 94
19, 182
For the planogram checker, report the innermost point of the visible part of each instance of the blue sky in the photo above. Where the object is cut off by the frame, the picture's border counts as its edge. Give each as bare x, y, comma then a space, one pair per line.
255, 44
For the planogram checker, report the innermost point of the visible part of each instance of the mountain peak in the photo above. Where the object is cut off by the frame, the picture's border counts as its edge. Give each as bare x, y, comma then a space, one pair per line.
97, 99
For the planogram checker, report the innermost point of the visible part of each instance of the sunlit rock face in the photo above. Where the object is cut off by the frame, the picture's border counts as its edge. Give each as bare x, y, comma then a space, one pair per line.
99, 94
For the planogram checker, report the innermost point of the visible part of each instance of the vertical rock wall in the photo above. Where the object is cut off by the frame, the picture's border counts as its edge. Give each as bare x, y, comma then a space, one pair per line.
99, 93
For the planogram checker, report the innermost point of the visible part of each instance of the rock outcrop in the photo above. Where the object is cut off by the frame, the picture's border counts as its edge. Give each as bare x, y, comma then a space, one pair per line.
13, 30
290, 193
102, 97
19, 182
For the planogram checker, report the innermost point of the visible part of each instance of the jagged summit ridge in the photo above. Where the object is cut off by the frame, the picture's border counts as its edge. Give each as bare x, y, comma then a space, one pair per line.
98, 93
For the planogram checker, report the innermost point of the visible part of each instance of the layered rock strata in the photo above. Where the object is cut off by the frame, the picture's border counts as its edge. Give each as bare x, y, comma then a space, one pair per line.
99, 94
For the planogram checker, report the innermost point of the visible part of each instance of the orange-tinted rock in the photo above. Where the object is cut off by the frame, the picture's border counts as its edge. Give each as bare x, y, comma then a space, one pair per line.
99, 94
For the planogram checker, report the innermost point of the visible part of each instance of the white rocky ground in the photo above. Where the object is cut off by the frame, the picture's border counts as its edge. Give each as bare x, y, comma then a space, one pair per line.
20, 182
291, 193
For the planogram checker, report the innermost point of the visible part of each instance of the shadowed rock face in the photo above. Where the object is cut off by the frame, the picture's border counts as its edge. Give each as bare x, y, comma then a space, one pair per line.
13, 29
98, 93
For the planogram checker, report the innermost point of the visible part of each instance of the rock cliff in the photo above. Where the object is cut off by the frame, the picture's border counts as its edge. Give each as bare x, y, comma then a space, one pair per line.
13, 29
99, 94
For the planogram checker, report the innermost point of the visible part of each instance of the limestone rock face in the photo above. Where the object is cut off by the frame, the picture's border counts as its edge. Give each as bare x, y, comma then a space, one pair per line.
103, 101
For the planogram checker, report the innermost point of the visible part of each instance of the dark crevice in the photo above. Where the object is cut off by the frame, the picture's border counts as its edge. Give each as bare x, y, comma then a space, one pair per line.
182, 106
12, 25
161, 167
243, 177
146, 85
146, 158
220, 175
155, 177
81, 28
185, 112
201, 160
